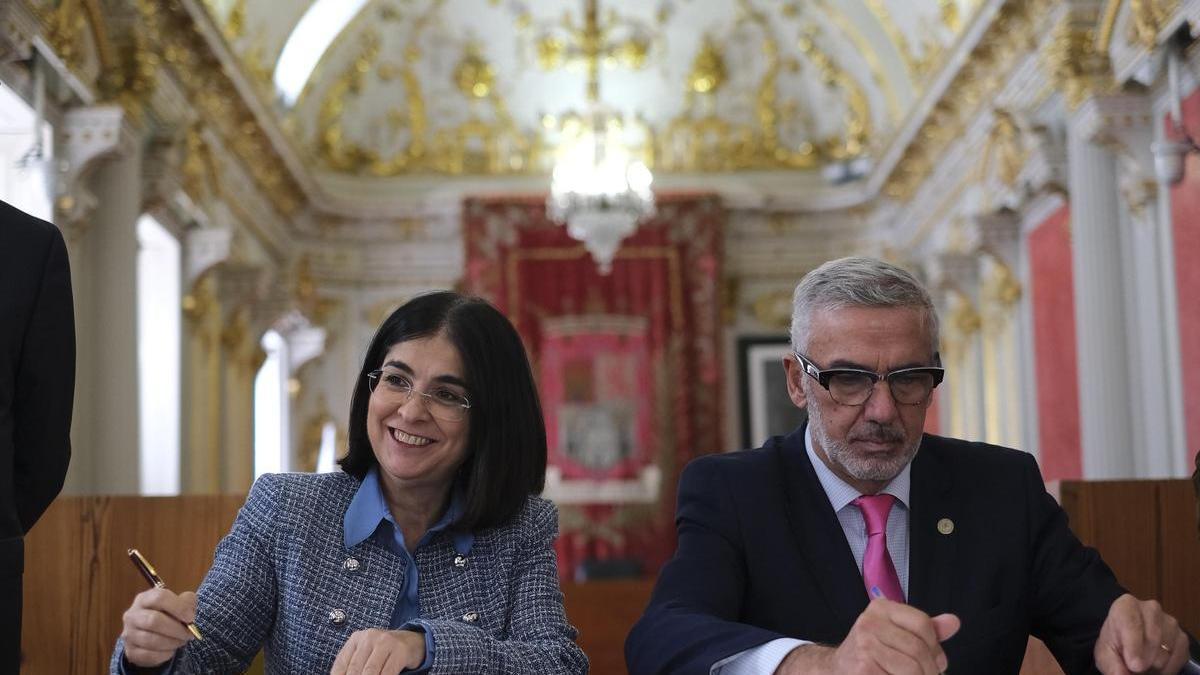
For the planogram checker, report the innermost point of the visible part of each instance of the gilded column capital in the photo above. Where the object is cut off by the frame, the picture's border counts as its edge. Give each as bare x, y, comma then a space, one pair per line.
87, 136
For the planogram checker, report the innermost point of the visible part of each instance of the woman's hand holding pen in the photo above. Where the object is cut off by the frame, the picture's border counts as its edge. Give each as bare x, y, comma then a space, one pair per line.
155, 626
378, 651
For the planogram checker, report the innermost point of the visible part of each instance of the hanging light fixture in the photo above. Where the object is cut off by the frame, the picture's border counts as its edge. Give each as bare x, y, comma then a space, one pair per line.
598, 190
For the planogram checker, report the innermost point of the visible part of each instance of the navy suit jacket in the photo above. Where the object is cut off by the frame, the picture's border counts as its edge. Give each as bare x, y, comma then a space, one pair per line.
761, 555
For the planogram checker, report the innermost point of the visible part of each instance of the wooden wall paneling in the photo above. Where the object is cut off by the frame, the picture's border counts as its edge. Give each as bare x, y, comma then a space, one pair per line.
78, 580
1120, 520
1180, 553
604, 611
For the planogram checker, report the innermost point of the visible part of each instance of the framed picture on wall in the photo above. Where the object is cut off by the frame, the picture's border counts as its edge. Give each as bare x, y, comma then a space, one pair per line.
762, 387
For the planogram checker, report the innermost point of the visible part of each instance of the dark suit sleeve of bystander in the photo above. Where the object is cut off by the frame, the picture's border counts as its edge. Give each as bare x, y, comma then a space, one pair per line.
44, 387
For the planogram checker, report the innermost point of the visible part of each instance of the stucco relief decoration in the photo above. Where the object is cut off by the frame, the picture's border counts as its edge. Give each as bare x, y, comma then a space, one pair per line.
409, 87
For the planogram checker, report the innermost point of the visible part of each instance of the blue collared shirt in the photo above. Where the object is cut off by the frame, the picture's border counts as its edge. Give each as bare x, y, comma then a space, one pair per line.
368, 516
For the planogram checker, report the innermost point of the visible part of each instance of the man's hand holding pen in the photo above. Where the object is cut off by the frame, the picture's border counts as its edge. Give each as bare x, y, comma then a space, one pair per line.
155, 626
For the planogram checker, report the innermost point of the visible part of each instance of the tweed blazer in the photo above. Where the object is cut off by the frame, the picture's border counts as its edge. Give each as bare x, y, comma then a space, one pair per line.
283, 579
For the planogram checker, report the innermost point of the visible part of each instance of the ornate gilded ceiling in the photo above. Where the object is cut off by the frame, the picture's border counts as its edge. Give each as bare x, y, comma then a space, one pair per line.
491, 87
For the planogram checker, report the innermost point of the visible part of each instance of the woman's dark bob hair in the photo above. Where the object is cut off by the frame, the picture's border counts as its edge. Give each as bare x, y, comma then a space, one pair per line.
506, 444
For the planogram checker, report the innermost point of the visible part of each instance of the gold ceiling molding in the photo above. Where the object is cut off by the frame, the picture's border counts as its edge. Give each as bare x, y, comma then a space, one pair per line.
496, 145
389, 16
171, 31
1011, 35
124, 69
65, 26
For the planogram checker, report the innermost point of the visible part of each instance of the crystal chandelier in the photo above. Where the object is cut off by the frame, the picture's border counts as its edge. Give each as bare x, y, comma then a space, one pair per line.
597, 189
599, 192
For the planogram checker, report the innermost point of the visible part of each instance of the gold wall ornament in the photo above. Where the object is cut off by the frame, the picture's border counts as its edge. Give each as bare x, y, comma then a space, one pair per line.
1001, 287
964, 320
773, 309
951, 17
1078, 69
708, 68
69, 24
235, 22
1148, 18
64, 31
201, 178
131, 78
201, 310
1004, 153
474, 76
235, 332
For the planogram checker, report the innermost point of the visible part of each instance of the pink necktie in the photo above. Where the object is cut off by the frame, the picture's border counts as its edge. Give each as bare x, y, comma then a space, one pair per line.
878, 570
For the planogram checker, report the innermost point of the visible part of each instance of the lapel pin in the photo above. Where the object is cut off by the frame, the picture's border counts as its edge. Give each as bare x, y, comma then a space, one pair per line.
945, 526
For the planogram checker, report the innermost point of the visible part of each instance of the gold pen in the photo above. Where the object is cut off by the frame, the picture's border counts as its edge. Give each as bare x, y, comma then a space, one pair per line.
148, 571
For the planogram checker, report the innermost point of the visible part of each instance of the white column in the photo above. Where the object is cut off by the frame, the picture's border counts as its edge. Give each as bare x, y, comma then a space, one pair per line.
1105, 403
1126, 125
1000, 240
964, 347
100, 215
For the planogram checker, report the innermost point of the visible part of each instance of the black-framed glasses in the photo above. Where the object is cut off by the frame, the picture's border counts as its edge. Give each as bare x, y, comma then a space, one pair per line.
442, 402
851, 386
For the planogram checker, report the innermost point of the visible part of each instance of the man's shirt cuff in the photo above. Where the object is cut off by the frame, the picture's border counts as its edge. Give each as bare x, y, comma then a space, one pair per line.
764, 658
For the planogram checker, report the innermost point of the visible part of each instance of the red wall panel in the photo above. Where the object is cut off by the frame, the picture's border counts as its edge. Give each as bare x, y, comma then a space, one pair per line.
1185, 219
1053, 297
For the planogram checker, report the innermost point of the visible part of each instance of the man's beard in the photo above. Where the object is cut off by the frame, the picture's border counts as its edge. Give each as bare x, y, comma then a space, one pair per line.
877, 469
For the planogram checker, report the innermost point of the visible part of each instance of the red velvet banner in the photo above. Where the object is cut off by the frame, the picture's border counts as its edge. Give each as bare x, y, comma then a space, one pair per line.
628, 364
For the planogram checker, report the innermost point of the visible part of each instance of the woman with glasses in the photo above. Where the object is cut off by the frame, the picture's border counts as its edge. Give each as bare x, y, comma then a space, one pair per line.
429, 552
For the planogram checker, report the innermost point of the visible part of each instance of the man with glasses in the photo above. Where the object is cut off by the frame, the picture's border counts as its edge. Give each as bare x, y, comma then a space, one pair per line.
858, 544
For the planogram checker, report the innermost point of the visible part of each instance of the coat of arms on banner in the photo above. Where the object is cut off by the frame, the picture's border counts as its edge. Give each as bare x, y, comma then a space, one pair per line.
597, 384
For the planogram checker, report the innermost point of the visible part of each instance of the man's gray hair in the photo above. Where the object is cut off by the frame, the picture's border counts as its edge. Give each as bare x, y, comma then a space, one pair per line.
857, 282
